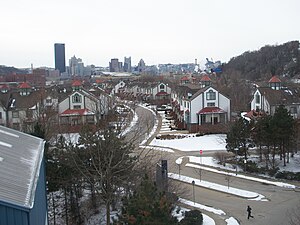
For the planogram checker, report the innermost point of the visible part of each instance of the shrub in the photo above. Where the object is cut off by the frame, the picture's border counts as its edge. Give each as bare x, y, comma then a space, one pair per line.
288, 175
193, 217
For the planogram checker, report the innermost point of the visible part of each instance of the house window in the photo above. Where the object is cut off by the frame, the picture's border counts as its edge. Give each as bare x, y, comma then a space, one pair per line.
48, 101
211, 95
293, 110
77, 106
162, 87
15, 114
257, 99
211, 104
0, 115
76, 98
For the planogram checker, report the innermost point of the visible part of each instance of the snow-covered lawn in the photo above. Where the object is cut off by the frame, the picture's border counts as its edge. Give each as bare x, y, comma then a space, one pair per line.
218, 187
261, 180
193, 143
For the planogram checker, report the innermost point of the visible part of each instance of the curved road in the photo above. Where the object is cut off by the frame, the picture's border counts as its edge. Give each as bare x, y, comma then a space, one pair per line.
275, 211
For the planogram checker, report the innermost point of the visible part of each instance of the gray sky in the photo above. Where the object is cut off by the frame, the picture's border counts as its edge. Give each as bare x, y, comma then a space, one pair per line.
159, 31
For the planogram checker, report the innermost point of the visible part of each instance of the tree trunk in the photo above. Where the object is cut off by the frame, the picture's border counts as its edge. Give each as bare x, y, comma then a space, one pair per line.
66, 207
260, 153
53, 206
107, 213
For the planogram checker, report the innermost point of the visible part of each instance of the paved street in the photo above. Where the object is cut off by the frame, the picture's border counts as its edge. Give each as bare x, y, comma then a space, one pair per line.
275, 211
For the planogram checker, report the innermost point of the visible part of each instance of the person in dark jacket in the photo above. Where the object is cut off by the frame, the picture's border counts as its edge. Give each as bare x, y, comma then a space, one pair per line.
249, 212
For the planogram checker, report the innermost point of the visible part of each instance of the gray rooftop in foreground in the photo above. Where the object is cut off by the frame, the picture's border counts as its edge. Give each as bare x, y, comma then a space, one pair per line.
21, 156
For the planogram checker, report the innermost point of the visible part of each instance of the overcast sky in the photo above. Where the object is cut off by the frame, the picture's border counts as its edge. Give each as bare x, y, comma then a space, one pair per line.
159, 31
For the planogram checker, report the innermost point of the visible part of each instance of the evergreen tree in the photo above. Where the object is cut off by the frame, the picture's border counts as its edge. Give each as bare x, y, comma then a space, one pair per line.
147, 206
193, 217
238, 135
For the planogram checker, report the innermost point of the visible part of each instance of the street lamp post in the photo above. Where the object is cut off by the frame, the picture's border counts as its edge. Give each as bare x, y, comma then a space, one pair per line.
236, 163
193, 183
245, 162
200, 171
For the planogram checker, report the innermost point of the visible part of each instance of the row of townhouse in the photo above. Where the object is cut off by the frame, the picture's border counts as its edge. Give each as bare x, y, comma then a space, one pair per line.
22, 106
202, 108
157, 93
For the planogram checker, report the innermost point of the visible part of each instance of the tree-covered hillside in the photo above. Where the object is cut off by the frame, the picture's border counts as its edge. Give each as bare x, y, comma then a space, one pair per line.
269, 60
4, 70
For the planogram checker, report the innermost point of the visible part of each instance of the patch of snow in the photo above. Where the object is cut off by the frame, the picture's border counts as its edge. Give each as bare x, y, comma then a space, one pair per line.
179, 212
214, 186
206, 143
232, 221
157, 148
203, 207
275, 183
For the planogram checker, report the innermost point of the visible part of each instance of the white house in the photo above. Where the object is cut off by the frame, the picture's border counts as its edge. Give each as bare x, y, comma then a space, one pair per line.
267, 99
81, 107
203, 110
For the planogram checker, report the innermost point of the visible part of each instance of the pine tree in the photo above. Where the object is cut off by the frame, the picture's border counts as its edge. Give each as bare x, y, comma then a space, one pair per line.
147, 206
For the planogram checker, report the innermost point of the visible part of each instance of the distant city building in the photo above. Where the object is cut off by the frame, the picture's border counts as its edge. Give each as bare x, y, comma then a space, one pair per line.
141, 66
60, 59
76, 67
127, 64
115, 65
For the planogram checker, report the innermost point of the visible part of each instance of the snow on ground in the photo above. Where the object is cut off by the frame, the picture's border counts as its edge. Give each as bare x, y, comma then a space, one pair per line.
178, 212
292, 166
133, 122
203, 207
71, 137
158, 149
154, 127
232, 221
275, 183
205, 143
211, 161
218, 187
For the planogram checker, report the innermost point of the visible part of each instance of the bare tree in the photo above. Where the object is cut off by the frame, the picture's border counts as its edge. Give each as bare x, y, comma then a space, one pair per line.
104, 160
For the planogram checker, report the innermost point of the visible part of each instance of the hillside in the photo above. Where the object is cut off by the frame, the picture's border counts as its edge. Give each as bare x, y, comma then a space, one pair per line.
269, 60
4, 70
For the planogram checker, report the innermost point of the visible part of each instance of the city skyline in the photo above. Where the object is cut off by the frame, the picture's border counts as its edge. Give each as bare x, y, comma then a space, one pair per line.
156, 31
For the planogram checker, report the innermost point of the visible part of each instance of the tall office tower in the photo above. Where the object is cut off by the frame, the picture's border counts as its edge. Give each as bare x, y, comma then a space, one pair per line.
60, 59
114, 65
127, 64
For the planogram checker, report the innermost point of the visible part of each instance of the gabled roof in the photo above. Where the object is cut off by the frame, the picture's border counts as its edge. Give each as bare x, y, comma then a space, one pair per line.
278, 97
185, 78
77, 112
205, 78
77, 83
209, 110
162, 93
4, 87
274, 79
21, 158
24, 85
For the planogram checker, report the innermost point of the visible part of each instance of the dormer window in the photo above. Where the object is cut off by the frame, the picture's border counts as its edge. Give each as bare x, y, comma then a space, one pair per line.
48, 101
162, 87
257, 99
76, 98
211, 95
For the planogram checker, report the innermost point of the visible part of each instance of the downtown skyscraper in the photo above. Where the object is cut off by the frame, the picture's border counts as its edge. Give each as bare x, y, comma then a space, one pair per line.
60, 58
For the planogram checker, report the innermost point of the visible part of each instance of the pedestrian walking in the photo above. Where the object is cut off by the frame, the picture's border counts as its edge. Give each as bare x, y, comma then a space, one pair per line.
249, 212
